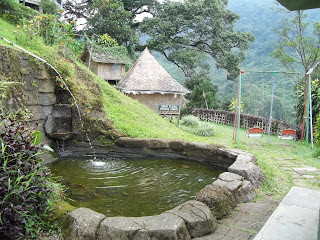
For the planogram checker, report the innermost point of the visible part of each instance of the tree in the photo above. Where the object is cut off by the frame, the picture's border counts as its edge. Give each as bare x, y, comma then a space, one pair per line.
203, 93
189, 33
110, 17
114, 17
299, 46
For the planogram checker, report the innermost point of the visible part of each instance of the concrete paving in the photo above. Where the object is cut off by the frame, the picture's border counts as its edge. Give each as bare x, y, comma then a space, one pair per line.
296, 218
245, 222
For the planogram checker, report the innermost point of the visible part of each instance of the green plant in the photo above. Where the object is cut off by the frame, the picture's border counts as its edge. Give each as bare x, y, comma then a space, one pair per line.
233, 105
190, 121
24, 183
108, 41
205, 129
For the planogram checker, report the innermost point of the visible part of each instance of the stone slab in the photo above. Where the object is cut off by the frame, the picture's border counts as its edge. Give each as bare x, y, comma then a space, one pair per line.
295, 218
306, 170
302, 197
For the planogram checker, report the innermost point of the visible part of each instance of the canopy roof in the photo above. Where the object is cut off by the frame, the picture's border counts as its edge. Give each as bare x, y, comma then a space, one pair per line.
147, 76
299, 4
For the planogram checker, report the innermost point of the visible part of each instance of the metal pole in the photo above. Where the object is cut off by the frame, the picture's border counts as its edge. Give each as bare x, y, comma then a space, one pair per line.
307, 116
271, 106
310, 101
234, 123
239, 109
236, 115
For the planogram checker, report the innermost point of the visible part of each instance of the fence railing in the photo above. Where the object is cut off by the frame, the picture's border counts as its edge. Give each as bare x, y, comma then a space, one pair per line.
246, 120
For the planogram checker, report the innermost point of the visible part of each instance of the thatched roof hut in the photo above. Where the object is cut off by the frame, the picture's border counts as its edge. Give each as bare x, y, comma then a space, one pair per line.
107, 63
149, 83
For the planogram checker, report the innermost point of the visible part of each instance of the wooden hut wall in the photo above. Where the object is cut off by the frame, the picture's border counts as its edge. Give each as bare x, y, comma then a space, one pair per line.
154, 100
110, 71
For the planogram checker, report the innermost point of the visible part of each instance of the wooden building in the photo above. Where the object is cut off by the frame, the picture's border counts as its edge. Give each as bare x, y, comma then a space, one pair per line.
107, 63
149, 83
35, 4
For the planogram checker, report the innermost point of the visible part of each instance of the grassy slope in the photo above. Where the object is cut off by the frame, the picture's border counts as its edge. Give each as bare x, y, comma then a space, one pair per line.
136, 120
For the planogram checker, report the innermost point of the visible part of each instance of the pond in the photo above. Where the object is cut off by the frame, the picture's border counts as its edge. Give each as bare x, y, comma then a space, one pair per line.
133, 188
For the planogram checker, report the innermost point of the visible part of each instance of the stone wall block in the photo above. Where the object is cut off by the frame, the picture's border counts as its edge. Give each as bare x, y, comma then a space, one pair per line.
41, 73
218, 198
245, 165
63, 117
122, 228
163, 226
46, 86
197, 217
247, 192
132, 142
157, 144
177, 145
50, 125
47, 110
83, 224
29, 83
47, 99
24, 61
31, 97
242, 190
36, 110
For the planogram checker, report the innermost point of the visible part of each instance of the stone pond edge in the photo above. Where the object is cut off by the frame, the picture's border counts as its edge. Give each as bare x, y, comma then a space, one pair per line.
191, 219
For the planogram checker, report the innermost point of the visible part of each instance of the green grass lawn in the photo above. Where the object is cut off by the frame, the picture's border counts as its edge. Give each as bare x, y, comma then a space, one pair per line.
279, 182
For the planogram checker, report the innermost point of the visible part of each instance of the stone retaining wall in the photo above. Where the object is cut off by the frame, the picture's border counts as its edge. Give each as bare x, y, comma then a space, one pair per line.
190, 220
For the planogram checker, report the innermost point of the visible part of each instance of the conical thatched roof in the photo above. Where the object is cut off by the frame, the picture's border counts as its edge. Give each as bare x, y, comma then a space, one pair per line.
148, 76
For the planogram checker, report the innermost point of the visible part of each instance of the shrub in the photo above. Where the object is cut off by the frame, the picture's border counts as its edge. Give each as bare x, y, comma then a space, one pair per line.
193, 125
205, 129
24, 182
190, 121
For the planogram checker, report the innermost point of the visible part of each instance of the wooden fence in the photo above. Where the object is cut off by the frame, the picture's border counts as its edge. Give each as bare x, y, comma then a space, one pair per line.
246, 120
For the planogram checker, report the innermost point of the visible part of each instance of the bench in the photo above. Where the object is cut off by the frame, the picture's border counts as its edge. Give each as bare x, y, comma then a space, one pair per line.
255, 132
287, 134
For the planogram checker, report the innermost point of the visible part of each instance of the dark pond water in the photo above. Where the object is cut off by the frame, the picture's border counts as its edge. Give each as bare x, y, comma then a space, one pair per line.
133, 188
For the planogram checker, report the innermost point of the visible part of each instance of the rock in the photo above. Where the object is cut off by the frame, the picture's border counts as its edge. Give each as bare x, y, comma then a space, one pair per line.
50, 125
47, 110
131, 142
46, 86
197, 217
47, 99
217, 198
29, 82
41, 74
83, 224
242, 190
36, 111
245, 165
62, 117
177, 145
247, 192
163, 226
31, 97
157, 143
